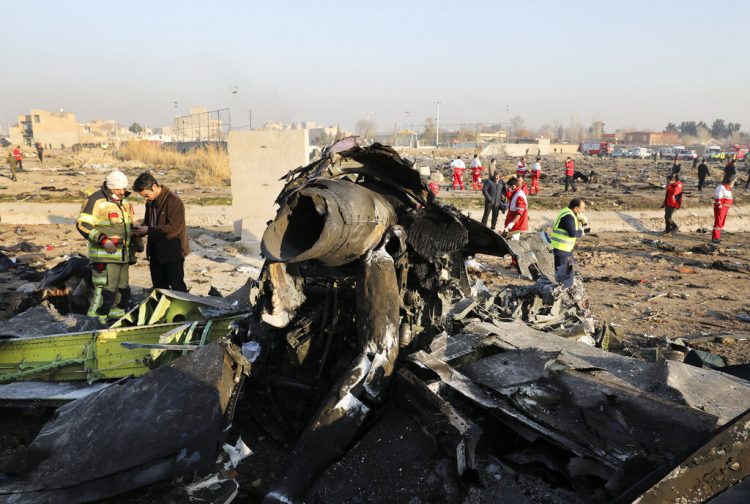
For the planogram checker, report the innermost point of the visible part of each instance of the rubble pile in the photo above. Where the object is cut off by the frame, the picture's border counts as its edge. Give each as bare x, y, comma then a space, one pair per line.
382, 370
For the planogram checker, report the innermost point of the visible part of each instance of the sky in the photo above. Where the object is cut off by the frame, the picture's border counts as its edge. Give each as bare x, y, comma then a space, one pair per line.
635, 64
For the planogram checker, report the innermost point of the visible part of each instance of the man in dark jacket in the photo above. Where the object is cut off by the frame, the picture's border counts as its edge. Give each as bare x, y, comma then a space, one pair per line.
493, 191
164, 224
702, 174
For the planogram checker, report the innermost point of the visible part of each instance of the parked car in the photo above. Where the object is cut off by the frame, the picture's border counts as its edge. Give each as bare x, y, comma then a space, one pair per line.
685, 154
620, 152
639, 153
667, 152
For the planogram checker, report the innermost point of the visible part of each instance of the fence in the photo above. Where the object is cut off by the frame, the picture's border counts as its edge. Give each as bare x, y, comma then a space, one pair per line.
210, 126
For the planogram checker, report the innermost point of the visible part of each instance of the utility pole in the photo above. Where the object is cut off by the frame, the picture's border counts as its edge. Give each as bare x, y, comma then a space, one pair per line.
437, 123
234, 102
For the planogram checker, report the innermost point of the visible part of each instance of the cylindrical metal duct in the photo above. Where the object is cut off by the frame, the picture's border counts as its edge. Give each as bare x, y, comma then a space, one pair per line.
331, 221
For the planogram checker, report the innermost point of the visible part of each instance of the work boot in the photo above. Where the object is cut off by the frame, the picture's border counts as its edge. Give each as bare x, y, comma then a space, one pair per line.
116, 313
715, 241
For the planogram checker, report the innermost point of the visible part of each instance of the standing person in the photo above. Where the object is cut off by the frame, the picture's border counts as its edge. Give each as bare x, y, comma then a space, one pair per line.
164, 224
18, 156
106, 220
40, 152
517, 219
458, 173
730, 170
493, 166
722, 201
672, 201
702, 173
476, 173
521, 168
536, 173
570, 169
493, 191
12, 164
570, 225
676, 167
695, 161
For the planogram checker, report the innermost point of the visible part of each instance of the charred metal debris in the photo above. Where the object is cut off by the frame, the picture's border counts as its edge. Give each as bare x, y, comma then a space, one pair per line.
369, 347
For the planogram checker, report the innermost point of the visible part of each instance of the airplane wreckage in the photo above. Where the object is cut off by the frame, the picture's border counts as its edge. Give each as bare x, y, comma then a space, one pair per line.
387, 372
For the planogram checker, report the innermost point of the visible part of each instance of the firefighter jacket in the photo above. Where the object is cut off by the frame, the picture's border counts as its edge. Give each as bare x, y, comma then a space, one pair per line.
723, 196
102, 217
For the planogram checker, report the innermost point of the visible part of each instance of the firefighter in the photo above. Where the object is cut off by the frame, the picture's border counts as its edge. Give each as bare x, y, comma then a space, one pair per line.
672, 201
18, 156
722, 201
476, 173
106, 220
521, 168
458, 173
570, 169
570, 225
536, 172
517, 219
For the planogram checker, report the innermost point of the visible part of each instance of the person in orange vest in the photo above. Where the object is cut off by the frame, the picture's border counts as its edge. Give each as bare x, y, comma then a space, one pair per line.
18, 157
521, 168
458, 173
536, 172
570, 169
517, 219
672, 201
722, 201
476, 173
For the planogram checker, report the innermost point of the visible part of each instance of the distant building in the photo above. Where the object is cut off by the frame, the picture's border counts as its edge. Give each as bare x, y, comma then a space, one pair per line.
48, 128
202, 125
651, 138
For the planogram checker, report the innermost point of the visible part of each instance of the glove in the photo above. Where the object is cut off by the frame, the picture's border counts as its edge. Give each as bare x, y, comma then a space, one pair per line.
583, 220
109, 246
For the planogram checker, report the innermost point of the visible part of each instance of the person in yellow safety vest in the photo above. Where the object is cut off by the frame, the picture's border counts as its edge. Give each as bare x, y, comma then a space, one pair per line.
570, 224
106, 220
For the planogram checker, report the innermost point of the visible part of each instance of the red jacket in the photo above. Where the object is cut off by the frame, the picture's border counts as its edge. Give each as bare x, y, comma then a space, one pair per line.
434, 187
673, 198
17, 154
570, 167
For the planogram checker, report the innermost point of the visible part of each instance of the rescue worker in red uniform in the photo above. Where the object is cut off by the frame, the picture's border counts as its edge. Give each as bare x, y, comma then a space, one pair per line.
570, 170
458, 173
536, 173
18, 157
517, 219
722, 201
521, 168
476, 173
672, 201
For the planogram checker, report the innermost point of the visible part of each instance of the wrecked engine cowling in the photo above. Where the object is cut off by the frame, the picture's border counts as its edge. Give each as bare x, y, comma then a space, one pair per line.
359, 221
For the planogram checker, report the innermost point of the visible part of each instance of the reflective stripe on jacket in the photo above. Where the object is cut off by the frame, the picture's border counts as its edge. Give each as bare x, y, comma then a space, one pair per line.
102, 217
560, 238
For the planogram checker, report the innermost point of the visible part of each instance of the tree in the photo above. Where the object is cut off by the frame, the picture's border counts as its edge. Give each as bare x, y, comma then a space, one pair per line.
135, 128
517, 124
719, 129
688, 128
428, 136
365, 128
671, 128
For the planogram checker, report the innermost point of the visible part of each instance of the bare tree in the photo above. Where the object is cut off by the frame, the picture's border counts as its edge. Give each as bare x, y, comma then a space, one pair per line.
365, 128
517, 124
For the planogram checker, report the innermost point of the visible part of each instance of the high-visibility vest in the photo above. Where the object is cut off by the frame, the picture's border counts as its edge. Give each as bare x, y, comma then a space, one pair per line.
560, 238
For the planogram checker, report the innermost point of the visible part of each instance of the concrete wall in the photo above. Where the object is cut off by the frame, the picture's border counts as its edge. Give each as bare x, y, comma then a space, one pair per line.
55, 128
258, 159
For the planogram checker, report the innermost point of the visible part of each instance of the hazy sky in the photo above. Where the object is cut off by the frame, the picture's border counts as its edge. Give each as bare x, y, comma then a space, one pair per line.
635, 63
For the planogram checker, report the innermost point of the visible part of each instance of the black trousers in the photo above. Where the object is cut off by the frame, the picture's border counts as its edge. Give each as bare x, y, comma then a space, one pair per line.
169, 275
701, 182
569, 181
669, 224
488, 208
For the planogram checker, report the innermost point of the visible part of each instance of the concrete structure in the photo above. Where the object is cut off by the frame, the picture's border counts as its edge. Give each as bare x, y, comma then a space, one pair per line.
651, 138
258, 158
48, 128
202, 125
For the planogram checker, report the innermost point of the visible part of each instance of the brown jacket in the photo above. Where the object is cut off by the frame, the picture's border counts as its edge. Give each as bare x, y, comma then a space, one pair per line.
167, 233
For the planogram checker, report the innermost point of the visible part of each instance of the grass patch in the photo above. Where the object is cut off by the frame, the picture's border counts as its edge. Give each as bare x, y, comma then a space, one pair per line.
209, 164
